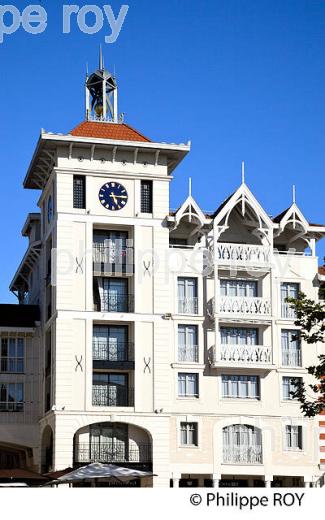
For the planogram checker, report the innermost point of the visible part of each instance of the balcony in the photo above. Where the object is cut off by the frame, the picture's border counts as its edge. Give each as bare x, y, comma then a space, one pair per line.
111, 395
291, 358
112, 452
113, 259
257, 356
188, 354
243, 255
115, 303
233, 454
112, 355
244, 306
188, 305
288, 312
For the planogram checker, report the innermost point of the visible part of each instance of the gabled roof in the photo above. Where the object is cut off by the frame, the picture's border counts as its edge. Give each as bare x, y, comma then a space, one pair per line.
280, 216
18, 315
103, 130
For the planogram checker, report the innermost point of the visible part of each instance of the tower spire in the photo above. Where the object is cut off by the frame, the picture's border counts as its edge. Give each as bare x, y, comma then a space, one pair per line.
293, 194
101, 61
243, 172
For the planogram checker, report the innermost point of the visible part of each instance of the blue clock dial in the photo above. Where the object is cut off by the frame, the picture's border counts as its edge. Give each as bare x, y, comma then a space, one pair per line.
113, 196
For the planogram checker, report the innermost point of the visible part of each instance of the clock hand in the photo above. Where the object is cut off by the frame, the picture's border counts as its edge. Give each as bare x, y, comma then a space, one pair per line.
113, 197
121, 196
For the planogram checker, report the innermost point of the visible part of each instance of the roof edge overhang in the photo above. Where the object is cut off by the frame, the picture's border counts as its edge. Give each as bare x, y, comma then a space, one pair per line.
30, 218
176, 152
33, 248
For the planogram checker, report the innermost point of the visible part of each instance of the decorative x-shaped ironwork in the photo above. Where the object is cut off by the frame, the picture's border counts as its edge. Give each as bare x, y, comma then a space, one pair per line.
78, 365
147, 365
79, 265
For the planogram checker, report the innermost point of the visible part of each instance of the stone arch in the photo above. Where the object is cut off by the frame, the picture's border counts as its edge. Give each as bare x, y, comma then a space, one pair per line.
47, 444
119, 442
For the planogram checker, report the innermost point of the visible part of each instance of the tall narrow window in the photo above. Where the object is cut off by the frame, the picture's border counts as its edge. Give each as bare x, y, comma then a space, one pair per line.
189, 435
146, 196
293, 437
289, 386
79, 191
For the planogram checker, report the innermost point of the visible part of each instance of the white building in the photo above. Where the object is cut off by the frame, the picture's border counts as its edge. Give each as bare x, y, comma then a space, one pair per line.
150, 338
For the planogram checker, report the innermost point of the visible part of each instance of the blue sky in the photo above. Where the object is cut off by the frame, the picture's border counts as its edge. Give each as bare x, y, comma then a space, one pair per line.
242, 79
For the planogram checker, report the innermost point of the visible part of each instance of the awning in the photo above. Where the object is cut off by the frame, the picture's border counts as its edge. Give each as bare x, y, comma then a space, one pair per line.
21, 474
103, 471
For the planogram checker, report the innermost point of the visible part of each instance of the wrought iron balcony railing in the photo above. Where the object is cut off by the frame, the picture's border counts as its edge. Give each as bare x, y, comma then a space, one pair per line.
112, 452
243, 254
242, 454
243, 354
107, 351
291, 358
112, 395
113, 258
115, 303
188, 353
188, 305
10, 406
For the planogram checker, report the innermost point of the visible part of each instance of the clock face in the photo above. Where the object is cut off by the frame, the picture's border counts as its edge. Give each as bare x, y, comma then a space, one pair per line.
49, 209
113, 196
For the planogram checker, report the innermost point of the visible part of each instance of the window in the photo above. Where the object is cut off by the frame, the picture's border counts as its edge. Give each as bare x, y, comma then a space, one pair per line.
241, 387
187, 343
293, 437
12, 355
288, 290
242, 443
110, 389
238, 336
189, 435
110, 343
11, 397
242, 288
188, 385
288, 386
113, 295
187, 296
291, 348
146, 196
108, 442
79, 191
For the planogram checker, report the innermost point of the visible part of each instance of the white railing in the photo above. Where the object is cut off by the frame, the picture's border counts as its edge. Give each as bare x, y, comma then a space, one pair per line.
244, 305
243, 354
243, 254
188, 306
288, 311
242, 454
188, 353
291, 358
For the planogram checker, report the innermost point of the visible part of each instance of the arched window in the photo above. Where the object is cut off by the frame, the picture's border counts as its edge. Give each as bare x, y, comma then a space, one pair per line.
242, 443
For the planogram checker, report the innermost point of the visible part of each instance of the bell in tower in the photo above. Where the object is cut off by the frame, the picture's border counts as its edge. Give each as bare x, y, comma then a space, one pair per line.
101, 95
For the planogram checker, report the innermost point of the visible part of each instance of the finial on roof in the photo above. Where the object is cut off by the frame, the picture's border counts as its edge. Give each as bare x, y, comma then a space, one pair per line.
87, 71
293, 194
243, 172
190, 186
101, 61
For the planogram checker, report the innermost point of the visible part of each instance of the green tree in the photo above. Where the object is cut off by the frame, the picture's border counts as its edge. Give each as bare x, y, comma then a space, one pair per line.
310, 317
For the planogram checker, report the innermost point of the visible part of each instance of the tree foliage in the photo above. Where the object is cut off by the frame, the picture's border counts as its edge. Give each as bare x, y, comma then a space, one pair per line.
310, 317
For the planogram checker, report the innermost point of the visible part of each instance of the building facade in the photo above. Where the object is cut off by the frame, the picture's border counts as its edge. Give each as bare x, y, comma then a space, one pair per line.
151, 338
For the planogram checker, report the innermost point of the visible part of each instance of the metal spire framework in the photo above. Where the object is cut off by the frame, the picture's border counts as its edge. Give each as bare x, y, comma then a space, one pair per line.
101, 94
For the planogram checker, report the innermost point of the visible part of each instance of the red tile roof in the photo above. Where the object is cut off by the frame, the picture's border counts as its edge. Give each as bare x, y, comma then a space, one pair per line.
116, 131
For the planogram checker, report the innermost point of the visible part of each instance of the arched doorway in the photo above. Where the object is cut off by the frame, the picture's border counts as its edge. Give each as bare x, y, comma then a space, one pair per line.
47, 450
118, 443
